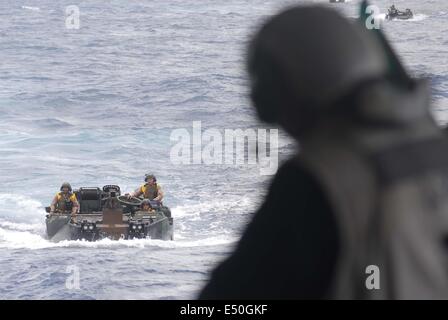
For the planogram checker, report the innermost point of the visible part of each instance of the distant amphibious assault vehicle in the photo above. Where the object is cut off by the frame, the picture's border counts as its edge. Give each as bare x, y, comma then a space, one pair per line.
400, 15
105, 213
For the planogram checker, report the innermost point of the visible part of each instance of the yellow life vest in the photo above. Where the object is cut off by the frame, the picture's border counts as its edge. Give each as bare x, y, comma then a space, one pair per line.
65, 203
150, 192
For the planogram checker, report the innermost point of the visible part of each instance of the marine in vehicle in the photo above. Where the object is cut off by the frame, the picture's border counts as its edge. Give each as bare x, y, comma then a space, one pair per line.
149, 190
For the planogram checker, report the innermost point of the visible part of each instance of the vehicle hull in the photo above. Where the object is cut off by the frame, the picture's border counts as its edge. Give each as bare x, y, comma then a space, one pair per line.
61, 227
400, 16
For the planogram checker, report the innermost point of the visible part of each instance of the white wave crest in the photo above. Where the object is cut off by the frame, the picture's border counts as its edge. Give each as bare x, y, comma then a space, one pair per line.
31, 8
26, 240
20, 208
417, 17
22, 226
241, 205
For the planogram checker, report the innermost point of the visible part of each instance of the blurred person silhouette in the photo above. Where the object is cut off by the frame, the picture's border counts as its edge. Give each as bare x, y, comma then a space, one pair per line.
362, 211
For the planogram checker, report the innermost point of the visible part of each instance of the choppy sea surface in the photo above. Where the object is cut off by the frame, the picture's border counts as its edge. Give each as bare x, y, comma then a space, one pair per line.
97, 105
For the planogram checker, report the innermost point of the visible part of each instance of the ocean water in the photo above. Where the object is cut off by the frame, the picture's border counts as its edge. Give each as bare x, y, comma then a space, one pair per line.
97, 106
